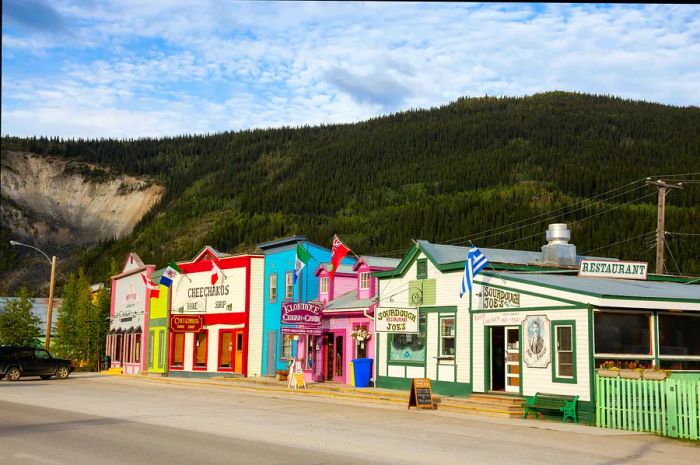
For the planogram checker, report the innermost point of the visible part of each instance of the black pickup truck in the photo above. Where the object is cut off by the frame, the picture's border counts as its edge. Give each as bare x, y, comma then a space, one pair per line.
16, 362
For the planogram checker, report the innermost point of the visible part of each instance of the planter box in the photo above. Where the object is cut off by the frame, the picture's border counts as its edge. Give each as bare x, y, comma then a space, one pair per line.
605, 373
654, 375
630, 374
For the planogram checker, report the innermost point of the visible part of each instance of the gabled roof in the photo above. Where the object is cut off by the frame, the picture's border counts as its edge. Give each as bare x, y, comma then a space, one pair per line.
207, 249
136, 263
348, 300
610, 288
377, 262
342, 269
281, 242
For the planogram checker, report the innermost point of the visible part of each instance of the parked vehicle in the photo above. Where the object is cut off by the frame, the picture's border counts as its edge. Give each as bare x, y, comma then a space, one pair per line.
17, 362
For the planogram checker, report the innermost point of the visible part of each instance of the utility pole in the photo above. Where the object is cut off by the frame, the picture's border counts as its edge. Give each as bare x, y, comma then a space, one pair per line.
660, 220
50, 311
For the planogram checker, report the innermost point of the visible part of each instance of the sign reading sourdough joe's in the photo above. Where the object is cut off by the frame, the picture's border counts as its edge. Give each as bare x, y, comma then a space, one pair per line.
613, 269
396, 320
186, 323
498, 298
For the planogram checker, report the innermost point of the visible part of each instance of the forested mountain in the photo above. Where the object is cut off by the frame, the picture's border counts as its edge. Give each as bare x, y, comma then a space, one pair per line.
442, 174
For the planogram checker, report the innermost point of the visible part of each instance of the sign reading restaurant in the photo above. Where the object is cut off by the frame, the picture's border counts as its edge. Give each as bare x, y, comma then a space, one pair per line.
396, 320
613, 269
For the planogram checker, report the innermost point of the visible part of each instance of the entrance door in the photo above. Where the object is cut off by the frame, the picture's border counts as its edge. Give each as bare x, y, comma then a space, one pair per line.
225, 350
238, 356
512, 358
498, 381
270, 368
329, 346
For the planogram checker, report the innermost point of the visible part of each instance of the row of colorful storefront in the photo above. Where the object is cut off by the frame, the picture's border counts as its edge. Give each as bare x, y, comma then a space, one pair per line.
533, 321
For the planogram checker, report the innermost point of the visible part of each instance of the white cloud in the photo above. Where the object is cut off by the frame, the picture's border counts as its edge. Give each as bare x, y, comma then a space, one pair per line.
130, 68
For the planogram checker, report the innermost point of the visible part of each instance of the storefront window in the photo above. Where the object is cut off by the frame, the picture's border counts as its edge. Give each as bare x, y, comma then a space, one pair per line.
273, 287
622, 333
364, 280
137, 348
408, 347
289, 285
178, 351
360, 346
679, 334
447, 336
287, 340
200, 350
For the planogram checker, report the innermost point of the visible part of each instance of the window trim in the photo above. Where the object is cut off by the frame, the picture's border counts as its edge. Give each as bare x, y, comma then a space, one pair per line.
422, 262
442, 356
390, 340
206, 351
324, 280
553, 336
653, 331
668, 357
276, 287
367, 275
289, 275
290, 337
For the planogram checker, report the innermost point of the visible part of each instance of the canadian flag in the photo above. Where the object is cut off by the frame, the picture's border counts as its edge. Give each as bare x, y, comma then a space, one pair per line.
153, 288
215, 272
338, 252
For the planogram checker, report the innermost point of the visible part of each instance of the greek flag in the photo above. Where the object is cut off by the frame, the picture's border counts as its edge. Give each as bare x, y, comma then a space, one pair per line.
476, 261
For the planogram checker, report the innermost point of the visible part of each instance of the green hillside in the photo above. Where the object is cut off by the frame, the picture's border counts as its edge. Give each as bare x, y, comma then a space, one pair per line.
442, 174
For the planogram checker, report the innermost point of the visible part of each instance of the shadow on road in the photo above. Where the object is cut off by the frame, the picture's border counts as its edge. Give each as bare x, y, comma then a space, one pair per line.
22, 429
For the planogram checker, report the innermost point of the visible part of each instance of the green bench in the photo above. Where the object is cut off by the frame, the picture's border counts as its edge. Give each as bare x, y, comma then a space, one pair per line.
541, 402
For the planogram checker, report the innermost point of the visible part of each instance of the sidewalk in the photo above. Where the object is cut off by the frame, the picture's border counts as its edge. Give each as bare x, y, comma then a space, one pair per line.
447, 406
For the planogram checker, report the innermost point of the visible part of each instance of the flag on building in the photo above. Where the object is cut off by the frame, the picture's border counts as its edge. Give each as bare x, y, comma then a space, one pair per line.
303, 257
215, 272
154, 290
338, 252
169, 274
476, 261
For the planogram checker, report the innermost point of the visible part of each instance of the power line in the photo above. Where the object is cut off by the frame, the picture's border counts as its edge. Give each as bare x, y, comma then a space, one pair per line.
674, 259
548, 212
682, 234
648, 233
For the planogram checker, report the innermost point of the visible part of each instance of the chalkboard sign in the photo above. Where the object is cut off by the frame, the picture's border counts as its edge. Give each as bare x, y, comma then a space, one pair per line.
421, 394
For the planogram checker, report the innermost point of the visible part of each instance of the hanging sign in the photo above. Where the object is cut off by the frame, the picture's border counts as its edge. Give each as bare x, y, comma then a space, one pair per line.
396, 320
537, 347
300, 313
299, 331
421, 394
186, 323
498, 298
613, 269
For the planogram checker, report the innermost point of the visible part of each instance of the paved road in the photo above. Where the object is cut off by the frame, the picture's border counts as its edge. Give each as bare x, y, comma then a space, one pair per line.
107, 420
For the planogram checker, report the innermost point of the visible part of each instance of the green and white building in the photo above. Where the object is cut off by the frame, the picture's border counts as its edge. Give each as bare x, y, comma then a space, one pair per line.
534, 322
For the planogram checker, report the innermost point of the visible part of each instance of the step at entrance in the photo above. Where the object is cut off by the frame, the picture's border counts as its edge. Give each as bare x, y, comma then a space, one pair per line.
496, 405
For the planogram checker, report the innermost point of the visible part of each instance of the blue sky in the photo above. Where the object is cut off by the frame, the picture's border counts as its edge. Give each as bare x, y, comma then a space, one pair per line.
129, 68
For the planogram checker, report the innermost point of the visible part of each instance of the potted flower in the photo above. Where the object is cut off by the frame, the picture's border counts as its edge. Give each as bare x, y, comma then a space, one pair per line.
360, 334
632, 370
654, 374
608, 370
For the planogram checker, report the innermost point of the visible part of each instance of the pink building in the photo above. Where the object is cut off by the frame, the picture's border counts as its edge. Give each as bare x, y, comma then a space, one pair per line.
348, 314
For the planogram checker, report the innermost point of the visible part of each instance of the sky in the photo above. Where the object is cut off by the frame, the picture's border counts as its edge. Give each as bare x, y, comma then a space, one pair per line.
133, 68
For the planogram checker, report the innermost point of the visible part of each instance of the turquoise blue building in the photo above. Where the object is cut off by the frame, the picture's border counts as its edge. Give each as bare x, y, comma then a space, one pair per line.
280, 256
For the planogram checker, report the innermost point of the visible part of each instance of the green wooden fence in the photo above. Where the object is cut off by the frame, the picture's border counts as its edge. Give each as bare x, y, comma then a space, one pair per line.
670, 407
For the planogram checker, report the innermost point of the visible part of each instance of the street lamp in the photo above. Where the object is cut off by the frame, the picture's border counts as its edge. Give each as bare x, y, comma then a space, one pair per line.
52, 262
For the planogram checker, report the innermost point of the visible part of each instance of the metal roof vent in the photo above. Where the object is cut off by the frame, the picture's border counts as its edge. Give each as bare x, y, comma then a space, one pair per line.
558, 251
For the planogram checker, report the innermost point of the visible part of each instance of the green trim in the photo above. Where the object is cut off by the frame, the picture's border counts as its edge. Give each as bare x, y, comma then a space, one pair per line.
520, 359
444, 388
591, 358
422, 273
438, 309
534, 294
552, 334
656, 350
158, 322
591, 294
528, 309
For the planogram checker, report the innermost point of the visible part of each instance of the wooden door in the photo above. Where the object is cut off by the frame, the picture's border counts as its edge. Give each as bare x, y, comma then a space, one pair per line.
329, 349
512, 350
225, 350
238, 355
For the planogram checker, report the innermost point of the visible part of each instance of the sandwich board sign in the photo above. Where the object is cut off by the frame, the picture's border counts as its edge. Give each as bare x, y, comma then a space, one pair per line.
421, 394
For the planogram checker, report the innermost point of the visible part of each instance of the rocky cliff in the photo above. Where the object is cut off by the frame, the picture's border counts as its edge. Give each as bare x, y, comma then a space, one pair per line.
62, 206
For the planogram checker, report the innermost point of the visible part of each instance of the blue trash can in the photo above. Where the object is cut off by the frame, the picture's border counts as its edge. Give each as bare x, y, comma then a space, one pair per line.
363, 371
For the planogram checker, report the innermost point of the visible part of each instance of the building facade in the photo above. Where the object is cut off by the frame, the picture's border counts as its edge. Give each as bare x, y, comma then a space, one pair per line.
278, 349
215, 322
158, 324
530, 325
126, 341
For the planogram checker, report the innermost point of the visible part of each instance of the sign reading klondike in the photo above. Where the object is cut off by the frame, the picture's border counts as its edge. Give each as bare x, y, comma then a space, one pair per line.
396, 320
613, 269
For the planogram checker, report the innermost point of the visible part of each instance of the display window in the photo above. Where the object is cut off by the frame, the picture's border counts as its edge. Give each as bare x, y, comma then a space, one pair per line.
447, 336
409, 347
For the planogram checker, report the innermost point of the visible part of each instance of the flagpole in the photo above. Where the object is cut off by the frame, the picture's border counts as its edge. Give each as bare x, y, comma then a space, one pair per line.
349, 249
